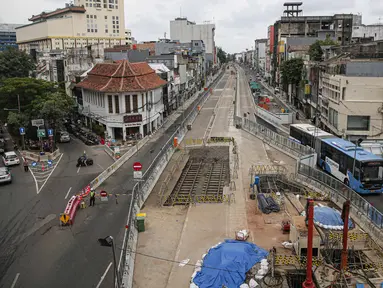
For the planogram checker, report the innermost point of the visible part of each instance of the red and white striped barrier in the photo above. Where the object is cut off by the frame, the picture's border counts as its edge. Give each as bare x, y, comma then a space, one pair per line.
67, 218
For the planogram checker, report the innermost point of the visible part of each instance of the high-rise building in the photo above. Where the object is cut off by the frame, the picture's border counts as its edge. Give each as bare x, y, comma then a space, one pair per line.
184, 31
128, 36
8, 35
83, 23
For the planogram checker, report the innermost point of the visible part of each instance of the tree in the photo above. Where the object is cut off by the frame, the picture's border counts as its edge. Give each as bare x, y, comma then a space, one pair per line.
221, 55
315, 50
291, 71
15, 63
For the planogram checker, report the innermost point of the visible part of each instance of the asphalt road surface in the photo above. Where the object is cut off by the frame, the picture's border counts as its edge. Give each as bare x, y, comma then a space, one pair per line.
37, 252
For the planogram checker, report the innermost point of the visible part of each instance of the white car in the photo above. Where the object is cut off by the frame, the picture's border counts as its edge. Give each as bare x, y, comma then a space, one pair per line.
64, 137
10, 158
5, 175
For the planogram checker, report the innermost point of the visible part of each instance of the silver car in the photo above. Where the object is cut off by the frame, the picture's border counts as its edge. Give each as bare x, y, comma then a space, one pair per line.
64, 137
5, 175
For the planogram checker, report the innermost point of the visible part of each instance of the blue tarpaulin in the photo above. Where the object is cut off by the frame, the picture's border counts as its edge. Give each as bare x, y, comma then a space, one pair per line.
329, 218
228, 263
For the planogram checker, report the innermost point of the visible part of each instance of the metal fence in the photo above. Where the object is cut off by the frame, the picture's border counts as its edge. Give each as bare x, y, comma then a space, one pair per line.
273, 138
143, 188
341, 192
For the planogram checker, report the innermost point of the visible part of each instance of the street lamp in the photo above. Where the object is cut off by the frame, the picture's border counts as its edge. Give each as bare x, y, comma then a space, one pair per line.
109, 242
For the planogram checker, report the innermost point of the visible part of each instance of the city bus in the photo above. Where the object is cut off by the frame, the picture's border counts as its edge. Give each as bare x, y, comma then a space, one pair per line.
337, 157
306, 134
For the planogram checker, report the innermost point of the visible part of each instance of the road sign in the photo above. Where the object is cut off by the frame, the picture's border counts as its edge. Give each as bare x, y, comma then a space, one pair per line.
41, 133
34, 164
137, 166
22, 130
50, 162
104, 196
50, 132
137, 174
38, 122
64, 218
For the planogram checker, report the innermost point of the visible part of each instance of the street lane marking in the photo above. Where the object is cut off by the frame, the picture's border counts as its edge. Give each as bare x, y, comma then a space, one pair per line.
67, 194
78, 170
15, 280
50, 174
100, 166
103, 275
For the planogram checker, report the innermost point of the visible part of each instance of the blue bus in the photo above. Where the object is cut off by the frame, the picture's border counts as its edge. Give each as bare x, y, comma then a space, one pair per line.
336, 157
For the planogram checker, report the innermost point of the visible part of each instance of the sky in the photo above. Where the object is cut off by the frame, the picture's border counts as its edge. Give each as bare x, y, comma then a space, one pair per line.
238, 22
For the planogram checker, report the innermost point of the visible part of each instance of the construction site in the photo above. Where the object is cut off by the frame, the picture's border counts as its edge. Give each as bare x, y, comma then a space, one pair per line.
225, 186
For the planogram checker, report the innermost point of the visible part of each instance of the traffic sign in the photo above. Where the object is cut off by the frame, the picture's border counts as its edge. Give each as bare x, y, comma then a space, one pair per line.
50, 162
38, 122
22, 130
34, 164
40, 133
137, 166
64, 218
137, 174
104, 196
50, 132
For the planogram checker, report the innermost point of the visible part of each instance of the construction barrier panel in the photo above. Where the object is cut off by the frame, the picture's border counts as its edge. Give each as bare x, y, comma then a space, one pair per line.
287, 260
220, 139
190, 142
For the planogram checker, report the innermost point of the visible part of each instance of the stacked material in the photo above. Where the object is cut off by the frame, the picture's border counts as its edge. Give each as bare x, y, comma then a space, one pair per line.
267, 204
329, 218
230, 260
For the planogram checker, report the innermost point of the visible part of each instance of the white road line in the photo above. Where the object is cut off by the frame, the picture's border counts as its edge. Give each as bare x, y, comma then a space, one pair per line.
103, 275
15, 280
78, 170
67, 194
50, 174
100, 166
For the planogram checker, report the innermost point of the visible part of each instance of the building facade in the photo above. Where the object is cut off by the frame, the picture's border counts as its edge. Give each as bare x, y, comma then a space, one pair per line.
126, 98
185, 31
260, 52
367, 33
8, 35
77, 25
128, 37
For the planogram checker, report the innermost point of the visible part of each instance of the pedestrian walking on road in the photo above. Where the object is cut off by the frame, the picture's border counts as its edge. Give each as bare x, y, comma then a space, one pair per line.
92, 197
26, 168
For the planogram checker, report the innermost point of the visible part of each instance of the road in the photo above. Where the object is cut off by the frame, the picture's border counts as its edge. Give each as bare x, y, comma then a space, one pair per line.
42, 253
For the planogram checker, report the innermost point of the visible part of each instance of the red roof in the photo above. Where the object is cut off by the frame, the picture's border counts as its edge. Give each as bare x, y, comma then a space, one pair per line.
122, 76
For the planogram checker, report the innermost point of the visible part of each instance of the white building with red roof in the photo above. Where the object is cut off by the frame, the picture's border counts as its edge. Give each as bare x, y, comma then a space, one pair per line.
124, 97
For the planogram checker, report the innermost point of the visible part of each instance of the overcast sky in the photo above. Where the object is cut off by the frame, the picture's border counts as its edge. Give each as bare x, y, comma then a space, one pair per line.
238, 22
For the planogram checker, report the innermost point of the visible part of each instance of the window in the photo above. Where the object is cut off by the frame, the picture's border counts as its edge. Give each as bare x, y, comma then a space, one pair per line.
358, 123
117, 103
87, 16
88, 30
95, 17
113, 18
91, 30
118, 31
114, 31
135, 104
95, 30
343, 93
91, 16
127, 104
116, 16
333, 117
106, 17
106, 30
143, 101
110, 104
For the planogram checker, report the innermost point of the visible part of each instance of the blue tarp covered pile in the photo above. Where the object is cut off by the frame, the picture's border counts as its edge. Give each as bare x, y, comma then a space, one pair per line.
329, 218
267, 204
228, 263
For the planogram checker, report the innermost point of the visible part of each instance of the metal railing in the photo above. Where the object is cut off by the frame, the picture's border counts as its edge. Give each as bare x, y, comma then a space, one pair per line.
143, 188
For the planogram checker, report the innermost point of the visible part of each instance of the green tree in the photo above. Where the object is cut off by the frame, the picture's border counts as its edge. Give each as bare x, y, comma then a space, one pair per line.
315, 50
15, 63
16, 120
291, 71
221, 55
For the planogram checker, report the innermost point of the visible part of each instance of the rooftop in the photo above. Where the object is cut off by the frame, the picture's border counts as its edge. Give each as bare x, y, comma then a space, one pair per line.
45, 15
122, 76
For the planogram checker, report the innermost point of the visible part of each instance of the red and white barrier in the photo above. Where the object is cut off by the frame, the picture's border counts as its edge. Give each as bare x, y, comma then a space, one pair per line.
72, 206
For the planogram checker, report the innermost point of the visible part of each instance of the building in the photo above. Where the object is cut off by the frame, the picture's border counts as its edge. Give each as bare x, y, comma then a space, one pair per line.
125, 52
128, 37
293, 24
184, 31
81, 24
8, 35
166, 74
367, 33
351, 98
126, 98
260, 52
269, 53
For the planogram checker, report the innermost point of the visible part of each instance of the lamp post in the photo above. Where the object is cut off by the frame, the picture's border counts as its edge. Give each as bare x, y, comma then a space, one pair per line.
109, 242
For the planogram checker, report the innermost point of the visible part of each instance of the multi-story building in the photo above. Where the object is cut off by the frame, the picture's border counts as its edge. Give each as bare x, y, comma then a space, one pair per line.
8, 35
128, 37
185, 31
77, 25
269, 53
126, 98
260, 52
367, 33
351, 102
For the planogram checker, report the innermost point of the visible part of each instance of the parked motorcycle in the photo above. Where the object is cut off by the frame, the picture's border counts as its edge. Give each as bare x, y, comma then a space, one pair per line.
82, 163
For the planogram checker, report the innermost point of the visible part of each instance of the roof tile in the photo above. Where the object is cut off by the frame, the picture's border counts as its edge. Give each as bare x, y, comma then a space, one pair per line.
122, 76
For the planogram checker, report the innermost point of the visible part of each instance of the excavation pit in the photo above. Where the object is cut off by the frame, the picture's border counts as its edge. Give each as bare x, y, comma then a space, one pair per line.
203, 178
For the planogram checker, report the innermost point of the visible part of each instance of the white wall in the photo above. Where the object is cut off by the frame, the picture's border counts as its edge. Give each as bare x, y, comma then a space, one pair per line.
363, 31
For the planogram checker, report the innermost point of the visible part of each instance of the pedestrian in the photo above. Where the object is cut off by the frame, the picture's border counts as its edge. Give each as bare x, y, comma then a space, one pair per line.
92, 197
26, 167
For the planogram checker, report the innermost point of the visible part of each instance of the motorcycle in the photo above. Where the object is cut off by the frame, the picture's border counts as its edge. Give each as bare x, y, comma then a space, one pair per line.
82, 163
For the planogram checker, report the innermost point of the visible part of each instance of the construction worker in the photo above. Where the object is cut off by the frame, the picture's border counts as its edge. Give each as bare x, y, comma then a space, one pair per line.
92, 197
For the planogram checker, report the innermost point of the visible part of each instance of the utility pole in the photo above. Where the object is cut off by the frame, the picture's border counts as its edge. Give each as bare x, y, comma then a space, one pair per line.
310, 217
345, 215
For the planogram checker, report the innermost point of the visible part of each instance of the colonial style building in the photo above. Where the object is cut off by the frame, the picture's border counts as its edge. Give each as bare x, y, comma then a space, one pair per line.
127, 98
